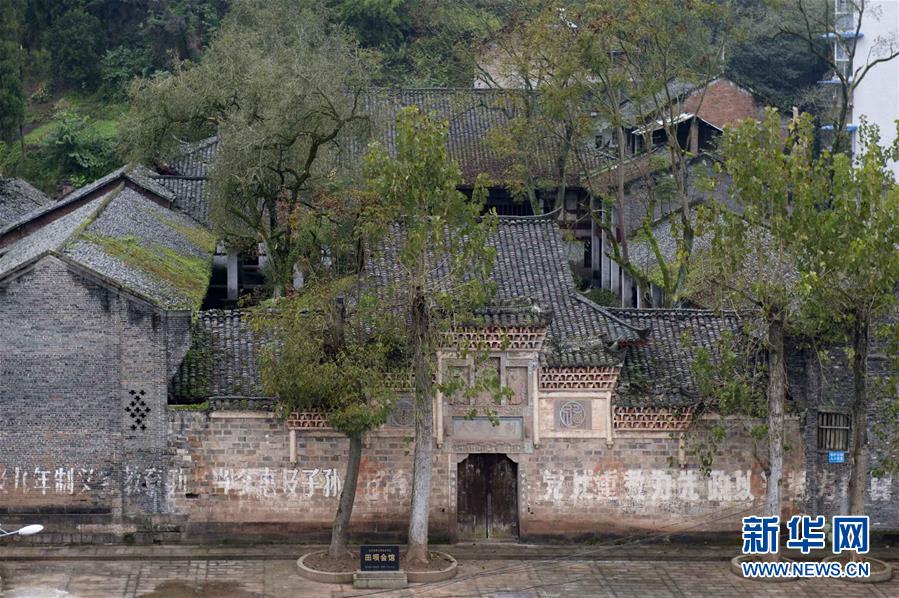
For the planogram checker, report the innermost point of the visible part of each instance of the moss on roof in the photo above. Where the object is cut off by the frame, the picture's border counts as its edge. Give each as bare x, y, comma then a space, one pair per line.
188, 275
196, 234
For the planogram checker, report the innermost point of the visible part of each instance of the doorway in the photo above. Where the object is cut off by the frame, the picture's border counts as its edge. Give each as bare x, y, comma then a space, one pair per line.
487, 498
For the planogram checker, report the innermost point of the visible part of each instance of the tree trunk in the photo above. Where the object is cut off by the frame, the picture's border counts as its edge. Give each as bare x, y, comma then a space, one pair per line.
339, 530
421, 472
858, 446
776, 398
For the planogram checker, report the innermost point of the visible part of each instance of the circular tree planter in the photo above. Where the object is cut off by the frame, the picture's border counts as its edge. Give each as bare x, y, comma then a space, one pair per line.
880, 571
322, 576
737, 570
431, 576
346, 577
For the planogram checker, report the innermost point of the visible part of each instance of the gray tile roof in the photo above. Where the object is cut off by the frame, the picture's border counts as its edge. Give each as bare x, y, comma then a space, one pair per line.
655, 347
472, 114
534, 286
189, 195
136, 175
222, 362
49, 238
195, 160
126, 216
659, 368
531, 263
18, 198
186, 176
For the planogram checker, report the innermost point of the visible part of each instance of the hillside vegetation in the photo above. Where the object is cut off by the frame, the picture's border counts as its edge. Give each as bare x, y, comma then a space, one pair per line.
66, 65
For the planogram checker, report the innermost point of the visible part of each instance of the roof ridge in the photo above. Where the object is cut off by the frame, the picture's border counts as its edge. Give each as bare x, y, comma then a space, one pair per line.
548, 216
450, 89
641, 332
675, 310
133, 173
90, 218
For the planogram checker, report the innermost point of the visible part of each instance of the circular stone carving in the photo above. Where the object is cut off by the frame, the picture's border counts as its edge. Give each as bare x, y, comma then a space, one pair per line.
402, 416
572, 414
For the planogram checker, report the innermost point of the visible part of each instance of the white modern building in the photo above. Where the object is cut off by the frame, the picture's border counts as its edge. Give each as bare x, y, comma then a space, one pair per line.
877, 96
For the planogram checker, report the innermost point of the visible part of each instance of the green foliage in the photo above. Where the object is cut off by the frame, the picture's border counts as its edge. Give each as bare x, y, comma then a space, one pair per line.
117, 69
78, 149
328, 351
178, 29
77, 145
780, 69
75, 44
187, 274
279, 86
12, 93
731, 381
383, 24
849, 230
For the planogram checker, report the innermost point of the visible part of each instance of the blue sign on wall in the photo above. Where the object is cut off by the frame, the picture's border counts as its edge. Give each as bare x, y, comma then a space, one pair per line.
836, 457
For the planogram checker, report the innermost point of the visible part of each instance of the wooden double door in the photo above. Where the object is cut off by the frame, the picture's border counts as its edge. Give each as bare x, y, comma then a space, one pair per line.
487, 498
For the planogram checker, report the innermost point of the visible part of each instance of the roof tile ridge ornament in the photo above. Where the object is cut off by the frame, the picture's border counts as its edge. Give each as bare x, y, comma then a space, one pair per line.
642, 332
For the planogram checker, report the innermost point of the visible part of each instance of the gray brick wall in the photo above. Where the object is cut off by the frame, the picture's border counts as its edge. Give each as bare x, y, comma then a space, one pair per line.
827, 384
71, 352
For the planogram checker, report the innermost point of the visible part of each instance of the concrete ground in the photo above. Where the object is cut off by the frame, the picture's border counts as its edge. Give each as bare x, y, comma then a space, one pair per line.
498, 571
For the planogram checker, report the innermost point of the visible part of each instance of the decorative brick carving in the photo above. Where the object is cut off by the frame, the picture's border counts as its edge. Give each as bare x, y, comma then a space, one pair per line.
654, 419
497, 339
403, 415
307, 420
578, 378
572, 414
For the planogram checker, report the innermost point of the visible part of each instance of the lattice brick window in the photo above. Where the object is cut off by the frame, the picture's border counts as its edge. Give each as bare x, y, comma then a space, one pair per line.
647, 419
498, 339
400, 382
138, 410
557, 379
307, 420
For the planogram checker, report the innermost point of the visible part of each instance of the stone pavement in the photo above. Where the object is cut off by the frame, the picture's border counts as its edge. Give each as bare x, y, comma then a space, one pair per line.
499, 578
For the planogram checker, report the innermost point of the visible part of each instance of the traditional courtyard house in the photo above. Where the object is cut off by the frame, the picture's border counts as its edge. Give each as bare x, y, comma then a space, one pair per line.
592, 439
697, 115
567, 178
97, 293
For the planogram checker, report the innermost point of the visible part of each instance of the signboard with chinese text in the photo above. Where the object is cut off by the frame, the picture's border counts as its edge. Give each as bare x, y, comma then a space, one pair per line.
836, 457
379, 558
